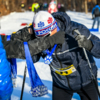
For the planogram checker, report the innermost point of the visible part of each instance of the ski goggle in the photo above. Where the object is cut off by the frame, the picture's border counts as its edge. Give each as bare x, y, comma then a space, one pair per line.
64, 71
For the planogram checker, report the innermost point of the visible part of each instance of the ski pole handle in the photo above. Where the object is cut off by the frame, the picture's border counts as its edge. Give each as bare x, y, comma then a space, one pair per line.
78, 33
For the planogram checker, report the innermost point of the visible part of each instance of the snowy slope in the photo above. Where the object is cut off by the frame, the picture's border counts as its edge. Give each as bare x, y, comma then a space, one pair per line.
11, 23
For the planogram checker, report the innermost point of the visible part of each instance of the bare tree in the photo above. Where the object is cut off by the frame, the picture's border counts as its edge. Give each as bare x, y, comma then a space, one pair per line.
94, 1
7, 6
74, 5
86, 8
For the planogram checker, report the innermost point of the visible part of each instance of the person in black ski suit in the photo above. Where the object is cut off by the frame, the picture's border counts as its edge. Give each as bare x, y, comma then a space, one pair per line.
69, 68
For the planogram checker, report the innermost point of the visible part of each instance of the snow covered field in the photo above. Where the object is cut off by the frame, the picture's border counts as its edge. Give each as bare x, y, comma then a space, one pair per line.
11, 23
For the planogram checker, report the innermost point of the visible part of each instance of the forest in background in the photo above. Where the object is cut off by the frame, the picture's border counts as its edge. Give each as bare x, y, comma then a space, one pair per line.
8, 6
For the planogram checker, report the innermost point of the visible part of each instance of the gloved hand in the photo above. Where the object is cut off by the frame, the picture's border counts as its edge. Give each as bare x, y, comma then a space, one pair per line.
21, 35
83, 42
57, 38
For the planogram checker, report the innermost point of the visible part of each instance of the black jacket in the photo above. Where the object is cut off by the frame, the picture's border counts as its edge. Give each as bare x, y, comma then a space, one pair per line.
15, 48
70, 54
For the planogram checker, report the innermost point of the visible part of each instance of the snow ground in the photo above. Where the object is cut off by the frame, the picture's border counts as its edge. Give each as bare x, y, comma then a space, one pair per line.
11, 23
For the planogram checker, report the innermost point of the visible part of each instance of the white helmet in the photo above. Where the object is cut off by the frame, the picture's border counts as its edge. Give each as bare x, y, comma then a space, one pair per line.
43, 23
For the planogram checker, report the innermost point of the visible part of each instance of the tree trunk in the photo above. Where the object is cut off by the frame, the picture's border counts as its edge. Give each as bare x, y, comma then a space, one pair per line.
74, 5
86, 8
94, 1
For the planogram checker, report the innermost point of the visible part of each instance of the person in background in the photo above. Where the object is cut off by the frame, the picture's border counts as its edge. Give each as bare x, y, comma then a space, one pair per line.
61, 8
41, 6
52, 7
22, 6
45, 6
70, 69
96, 15
58, 5
35, 7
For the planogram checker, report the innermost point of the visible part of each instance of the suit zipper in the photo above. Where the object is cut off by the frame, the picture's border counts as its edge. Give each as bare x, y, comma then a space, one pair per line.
68, 83
62, 67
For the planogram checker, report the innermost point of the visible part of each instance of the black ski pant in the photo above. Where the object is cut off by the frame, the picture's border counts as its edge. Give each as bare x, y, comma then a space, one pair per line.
89, 92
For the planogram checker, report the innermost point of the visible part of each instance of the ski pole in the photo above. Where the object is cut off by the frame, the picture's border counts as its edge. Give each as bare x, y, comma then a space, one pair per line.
95, 82
23, 82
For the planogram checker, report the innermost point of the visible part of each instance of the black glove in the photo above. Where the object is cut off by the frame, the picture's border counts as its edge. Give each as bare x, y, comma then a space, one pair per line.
83, 42
22, 35
57, 38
